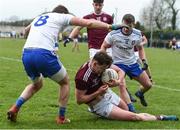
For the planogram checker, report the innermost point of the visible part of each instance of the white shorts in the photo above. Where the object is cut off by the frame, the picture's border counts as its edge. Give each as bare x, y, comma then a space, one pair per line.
174, 47
104, 107
75, 40
93, 51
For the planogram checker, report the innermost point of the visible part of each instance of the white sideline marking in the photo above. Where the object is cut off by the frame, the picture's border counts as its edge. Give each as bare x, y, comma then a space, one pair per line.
170, 89
10, 59
18, 60
156, 86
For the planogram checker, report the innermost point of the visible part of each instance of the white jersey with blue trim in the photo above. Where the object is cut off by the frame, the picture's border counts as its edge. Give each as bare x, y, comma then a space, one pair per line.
123, 45
45, 30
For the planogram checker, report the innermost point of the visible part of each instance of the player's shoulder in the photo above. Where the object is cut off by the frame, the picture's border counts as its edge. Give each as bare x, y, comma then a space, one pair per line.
82, 70
89, 15
137, 32
106, 14
50, 14
53, 15
115, 32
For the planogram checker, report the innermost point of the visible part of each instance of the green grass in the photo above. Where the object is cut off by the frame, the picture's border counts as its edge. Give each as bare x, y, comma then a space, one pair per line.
41, 110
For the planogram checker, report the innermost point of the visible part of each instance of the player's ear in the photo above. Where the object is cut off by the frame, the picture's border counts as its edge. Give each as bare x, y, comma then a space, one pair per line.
95, 63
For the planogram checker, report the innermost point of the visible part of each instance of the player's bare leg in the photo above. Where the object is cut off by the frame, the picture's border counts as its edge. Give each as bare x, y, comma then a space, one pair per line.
120, 114
28, 92
124, 94
144, 80
64, 92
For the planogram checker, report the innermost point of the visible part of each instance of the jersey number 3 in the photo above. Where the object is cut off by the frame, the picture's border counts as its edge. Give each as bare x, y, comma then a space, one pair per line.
41, 21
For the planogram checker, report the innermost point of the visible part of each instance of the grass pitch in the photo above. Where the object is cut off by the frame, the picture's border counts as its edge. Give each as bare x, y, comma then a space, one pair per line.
41, 110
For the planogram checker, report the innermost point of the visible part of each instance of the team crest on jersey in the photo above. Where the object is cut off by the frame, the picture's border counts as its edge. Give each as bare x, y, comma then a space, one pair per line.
104, 19
95, 82
133, 42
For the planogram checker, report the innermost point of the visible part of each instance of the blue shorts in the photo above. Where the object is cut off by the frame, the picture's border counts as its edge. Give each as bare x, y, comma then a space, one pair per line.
40, 61
133, 70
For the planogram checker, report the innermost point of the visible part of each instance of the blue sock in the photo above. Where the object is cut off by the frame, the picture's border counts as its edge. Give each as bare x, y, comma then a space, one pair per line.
131, 107
62, 111
20, 101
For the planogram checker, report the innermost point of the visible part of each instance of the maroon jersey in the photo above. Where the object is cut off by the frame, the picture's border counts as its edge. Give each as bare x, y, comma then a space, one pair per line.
86, 79
174, 42
96, 36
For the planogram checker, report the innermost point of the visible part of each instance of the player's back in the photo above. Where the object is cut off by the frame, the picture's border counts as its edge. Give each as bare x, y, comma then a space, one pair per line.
45, 29
87, 79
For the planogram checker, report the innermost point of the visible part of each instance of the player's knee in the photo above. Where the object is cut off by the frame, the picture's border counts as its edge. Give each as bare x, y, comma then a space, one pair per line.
149, 85
37, 85
64, 81
123, 105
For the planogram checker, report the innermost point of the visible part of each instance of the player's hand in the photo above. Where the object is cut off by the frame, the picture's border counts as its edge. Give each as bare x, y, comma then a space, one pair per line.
102, 89
119, 26
67, 40
113, 83
145, 65
116, 26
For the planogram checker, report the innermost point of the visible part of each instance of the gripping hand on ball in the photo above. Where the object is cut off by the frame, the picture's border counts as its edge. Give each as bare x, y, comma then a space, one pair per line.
113, 83
102, 89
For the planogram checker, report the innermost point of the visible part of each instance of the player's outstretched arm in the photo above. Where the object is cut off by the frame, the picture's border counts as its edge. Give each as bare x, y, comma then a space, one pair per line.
91, 23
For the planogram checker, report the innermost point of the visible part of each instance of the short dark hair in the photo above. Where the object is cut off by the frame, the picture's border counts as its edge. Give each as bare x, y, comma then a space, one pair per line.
60, 9
98, 1
128, 18
103, 58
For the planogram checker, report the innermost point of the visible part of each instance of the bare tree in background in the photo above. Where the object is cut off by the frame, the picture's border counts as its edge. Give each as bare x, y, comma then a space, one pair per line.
160, 14
174, 11
155, 15
145, 17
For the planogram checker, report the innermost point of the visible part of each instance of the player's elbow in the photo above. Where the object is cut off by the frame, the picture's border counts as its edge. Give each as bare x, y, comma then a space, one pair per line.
149, 85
